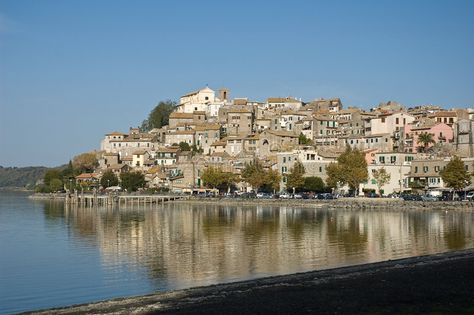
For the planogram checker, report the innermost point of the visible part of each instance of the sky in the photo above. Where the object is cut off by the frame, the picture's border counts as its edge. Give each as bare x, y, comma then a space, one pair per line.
71, 71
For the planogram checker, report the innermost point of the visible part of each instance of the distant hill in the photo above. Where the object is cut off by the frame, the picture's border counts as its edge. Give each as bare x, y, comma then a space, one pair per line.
21, 176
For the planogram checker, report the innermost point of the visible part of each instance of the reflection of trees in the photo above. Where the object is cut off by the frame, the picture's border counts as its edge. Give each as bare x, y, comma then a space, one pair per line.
53, 210
189, 244
455, 235
345, 229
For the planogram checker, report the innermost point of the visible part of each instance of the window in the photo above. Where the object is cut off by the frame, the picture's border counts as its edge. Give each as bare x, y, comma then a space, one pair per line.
320, 169
416, 169
397, 121
382, 159
436, 168
393, 159
284, 159
383, 119
206, 98
425, 169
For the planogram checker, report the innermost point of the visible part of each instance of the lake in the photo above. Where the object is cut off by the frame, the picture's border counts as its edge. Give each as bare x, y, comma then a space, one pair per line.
55, 255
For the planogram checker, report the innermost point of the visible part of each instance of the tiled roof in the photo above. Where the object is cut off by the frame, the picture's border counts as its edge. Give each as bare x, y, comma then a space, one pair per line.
176, 115
282, 100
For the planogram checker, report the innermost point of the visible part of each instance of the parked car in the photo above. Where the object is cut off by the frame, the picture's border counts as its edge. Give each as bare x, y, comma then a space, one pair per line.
297, 196
429, 198
470, 196
284, 196
325, 196
411, 197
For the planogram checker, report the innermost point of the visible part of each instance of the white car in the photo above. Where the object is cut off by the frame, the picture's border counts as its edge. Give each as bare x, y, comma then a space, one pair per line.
470, 196
284, 196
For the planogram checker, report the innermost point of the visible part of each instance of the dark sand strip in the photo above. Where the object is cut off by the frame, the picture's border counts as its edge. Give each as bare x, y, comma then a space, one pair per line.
436, 284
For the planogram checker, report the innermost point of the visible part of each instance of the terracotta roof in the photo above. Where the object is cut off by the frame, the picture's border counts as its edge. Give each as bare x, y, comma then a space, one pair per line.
154, 170
199, 112
87, 176
140, 152
182, 132
252, 137
219, 143
220, 154
282, 133
443, 114
240, 101
239, 110
117, 166
127, 158
208, 127
176, 115
168, 149
115, 133
282, 100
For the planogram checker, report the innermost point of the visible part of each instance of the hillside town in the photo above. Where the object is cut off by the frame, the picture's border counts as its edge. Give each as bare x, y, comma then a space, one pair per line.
412, 144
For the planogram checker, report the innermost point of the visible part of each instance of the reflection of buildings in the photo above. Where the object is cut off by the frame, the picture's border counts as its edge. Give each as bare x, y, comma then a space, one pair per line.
190, 244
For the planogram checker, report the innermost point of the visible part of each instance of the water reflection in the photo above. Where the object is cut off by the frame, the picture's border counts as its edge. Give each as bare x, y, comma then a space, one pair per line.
182, 245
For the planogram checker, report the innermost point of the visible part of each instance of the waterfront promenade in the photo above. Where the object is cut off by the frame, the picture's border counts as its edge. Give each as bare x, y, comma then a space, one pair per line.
436, 284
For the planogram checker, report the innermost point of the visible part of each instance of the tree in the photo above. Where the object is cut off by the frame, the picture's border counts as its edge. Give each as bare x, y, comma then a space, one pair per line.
184, 146
425, 139
259, 178
217, 178
272, 181
50, 175
132, 181
350, 169
382, 178
55, 185
159, 116
313, 183
302, 139
254, 174
334, 175
85, 162
455, 175
109, 179
295, 178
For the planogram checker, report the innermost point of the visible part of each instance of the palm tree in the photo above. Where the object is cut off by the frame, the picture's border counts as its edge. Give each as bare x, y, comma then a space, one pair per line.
425, 139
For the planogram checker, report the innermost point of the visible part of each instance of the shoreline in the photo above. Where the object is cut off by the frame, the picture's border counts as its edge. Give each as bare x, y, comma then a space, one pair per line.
438, 283
357, 203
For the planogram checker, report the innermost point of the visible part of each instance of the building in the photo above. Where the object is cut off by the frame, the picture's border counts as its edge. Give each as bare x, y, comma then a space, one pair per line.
441, 132
397, 165
464, 137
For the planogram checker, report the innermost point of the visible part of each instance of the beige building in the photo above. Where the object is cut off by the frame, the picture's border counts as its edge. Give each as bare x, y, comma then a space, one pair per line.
397, 165
203, 100
390, 123
207, 134
239, 122
283, 103
314, 164
464, 137
272, 141
176, 137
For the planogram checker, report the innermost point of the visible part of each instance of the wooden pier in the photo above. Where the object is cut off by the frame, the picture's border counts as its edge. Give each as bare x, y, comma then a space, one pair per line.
90, 200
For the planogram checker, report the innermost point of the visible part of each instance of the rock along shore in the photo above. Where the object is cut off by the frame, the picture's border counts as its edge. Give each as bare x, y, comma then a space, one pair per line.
435, 284
342, 203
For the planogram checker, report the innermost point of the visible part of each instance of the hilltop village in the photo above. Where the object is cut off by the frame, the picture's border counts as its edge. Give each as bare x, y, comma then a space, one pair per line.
228, 133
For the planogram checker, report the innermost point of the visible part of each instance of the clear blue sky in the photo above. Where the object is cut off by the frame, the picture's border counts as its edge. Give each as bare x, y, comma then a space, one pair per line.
71, 71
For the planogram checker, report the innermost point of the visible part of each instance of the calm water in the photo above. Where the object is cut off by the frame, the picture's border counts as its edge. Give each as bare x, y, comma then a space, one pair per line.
55, 256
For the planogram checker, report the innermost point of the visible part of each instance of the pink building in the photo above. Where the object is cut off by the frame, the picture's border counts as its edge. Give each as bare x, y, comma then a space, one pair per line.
442, 133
